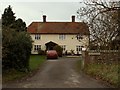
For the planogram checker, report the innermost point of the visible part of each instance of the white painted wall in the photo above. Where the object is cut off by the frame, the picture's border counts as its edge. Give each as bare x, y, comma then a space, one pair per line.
70, 41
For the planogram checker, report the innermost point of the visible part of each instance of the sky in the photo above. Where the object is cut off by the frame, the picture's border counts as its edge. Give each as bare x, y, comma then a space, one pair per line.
32, 10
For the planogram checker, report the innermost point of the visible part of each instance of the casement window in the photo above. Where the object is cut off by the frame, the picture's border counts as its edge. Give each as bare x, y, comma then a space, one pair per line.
37, 47
78, 48
62, 36
37, 36
79, 37
63, 47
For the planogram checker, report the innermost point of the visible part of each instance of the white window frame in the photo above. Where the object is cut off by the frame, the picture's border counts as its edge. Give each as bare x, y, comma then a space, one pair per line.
37, 36
62, 36
79, 37
64, 47
36, 47
78, 48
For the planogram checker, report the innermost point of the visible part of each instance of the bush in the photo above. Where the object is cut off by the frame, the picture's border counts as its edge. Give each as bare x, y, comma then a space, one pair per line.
69, 53
72, 52
16, 50
59, 50
41, 52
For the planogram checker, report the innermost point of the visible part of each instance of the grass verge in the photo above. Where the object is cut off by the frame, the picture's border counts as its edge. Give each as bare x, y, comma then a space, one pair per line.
105, 72
13, 75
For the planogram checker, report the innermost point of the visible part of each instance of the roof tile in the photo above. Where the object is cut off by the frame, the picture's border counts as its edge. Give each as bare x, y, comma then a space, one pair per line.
58, 28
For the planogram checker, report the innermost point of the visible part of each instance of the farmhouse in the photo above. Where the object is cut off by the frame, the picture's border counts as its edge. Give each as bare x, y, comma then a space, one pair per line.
71, 36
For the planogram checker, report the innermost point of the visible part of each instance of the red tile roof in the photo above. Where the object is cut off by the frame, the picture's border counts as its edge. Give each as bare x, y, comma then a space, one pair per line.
58, 28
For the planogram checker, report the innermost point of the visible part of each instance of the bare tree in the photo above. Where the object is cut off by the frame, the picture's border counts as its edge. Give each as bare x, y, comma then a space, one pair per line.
103, 20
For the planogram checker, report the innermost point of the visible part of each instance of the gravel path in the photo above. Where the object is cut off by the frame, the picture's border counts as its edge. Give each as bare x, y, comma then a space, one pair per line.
59, 73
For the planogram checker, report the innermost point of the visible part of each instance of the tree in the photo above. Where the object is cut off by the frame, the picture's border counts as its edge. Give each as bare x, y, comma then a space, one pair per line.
20, 25
8, 18
102, 18
16, 43
16, 50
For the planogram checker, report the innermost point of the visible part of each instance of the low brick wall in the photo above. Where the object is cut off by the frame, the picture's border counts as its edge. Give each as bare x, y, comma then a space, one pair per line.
102, 56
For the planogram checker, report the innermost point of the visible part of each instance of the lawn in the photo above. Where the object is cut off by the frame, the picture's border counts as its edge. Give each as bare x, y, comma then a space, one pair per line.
35, 62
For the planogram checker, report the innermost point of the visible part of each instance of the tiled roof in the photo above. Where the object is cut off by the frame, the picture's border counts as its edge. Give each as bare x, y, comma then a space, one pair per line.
58, 28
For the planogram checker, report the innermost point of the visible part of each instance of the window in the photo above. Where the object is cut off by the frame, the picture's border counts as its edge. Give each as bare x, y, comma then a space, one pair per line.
62, 37
64, 47
78, 48
36, 47
37, 36
79, 37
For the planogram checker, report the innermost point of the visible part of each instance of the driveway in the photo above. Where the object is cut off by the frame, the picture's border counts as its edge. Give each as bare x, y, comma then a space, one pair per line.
59, 73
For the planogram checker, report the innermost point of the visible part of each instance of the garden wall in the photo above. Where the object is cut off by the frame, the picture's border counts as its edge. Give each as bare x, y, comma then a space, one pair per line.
101, 56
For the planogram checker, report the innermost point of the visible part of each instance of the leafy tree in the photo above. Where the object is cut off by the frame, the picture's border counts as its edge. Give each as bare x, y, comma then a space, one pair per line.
8, 17
20, 25
9, 20
16, 43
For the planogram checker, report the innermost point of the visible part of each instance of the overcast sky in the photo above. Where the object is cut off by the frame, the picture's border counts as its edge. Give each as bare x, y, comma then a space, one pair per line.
33, 11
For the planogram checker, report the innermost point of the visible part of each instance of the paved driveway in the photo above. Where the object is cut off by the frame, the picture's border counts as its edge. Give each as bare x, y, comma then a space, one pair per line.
59, 73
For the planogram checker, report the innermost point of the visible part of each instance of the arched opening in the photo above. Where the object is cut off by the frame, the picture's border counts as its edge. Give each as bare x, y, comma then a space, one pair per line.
50, 45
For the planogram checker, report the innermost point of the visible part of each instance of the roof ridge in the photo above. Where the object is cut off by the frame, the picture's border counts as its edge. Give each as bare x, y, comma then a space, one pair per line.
56, 22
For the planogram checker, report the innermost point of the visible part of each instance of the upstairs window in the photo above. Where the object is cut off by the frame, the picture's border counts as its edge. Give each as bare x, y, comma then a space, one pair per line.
62, 37
37, 36
79, 37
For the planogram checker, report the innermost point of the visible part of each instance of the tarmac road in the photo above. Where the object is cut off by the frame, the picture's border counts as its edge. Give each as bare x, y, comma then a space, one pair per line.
58, 73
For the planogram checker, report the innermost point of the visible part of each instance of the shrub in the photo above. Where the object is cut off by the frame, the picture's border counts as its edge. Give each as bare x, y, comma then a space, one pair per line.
59, 50
41, 52
72, 52
16, 50
69, 53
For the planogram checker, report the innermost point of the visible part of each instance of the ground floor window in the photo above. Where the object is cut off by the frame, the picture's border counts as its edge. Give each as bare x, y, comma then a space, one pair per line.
63, 47
78, 48
37, 47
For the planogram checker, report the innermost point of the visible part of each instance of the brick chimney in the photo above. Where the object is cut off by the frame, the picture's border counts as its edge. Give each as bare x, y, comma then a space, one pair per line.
44, 18
73, 18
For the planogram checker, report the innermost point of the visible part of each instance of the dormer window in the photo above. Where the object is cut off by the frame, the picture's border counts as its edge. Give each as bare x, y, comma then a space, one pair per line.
62, 36
37, 36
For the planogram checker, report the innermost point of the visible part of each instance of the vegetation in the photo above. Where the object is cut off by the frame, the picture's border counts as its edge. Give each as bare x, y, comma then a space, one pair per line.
59, 50
106, 72
9, 21
41, 52
16, 43
102, 17
35, 63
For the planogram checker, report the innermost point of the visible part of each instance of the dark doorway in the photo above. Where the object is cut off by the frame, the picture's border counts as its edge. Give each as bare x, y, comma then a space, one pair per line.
50, 45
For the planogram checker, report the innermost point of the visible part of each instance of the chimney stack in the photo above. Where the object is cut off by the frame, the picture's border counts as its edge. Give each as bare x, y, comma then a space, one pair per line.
73, 18
44, 18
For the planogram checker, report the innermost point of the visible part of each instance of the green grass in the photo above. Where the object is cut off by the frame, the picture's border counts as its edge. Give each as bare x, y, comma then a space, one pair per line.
79, 65
12, 75
36, 61
108, 73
